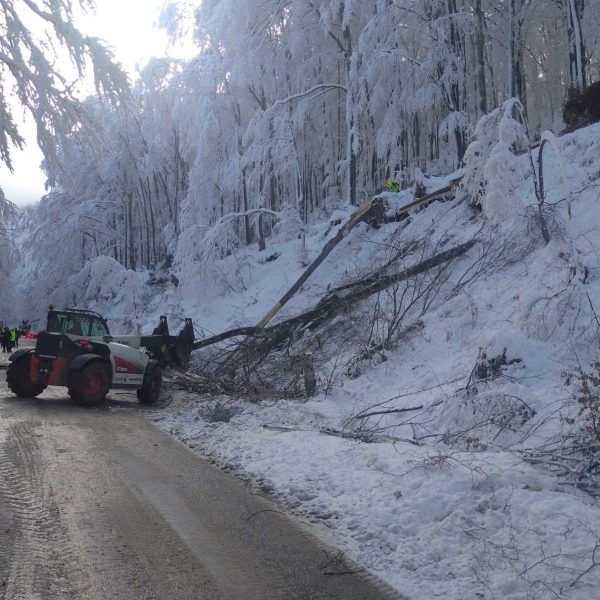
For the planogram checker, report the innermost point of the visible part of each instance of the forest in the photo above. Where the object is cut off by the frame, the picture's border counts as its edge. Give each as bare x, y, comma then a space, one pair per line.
429, 397
290, 110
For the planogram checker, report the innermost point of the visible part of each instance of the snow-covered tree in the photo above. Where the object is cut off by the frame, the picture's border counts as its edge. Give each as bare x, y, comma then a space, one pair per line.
7, 254
298, 107
42, 55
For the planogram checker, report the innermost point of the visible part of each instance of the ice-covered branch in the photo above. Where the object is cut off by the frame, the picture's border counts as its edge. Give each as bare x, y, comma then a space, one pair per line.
318, 87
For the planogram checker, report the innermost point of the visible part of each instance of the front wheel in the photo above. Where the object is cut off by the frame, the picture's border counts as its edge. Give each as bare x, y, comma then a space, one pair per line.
150, 391
90, 385
19, 380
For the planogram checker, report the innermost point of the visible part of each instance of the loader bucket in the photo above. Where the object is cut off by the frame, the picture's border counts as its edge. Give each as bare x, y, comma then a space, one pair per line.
170, 349
183, 344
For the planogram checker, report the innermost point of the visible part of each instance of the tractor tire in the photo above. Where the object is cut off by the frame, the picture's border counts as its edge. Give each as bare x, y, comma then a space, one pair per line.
150, 391
19, 381
90, 385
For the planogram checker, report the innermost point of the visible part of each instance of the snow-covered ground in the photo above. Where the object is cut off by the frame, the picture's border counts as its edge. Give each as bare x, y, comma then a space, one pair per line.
462, 515
437, 500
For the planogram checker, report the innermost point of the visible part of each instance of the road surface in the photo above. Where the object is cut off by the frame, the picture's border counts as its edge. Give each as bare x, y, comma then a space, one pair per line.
100, 504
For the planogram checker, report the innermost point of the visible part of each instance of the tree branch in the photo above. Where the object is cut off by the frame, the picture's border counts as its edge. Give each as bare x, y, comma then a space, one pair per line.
319, 86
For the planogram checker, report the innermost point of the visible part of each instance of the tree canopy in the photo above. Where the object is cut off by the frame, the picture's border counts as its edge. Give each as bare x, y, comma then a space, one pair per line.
42, 56
290, 110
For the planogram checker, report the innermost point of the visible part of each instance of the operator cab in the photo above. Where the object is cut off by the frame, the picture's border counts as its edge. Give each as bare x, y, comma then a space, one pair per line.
83, 323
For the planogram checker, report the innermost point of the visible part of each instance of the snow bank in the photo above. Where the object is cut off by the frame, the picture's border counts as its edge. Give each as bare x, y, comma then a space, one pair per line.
441, 502
413, 460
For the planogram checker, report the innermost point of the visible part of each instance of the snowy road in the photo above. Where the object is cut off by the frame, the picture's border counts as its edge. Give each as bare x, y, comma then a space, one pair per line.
101, 504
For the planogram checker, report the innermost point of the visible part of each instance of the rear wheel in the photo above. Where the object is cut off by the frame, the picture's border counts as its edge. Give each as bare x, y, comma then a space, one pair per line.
150, 391
90, 385
19, 380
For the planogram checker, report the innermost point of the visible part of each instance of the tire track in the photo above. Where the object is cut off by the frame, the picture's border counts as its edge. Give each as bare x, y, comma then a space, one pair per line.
44, 563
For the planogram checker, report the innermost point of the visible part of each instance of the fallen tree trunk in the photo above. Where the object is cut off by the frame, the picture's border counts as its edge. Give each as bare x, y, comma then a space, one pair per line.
239, 331
357, 217
273, 337
372, 211
334, 303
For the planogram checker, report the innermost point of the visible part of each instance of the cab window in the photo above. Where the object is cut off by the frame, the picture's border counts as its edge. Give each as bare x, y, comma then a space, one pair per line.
75, 324
98, 329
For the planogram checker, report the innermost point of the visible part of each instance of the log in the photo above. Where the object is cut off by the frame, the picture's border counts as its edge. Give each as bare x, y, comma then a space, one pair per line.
239, 331
372, 209
327, 309
334, 304
357, 216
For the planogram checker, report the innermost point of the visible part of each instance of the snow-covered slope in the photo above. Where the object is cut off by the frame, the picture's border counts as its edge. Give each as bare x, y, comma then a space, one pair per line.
441, 502
445, 449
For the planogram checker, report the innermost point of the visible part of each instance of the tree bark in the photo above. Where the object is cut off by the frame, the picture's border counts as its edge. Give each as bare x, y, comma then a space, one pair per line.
516, 85
273, 337
480, 60
577, 68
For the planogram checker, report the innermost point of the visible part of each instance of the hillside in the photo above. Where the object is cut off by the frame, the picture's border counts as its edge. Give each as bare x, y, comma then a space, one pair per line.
451, 445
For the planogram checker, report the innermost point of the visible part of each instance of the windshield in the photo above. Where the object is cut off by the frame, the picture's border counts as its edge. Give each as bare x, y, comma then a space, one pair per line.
76, 324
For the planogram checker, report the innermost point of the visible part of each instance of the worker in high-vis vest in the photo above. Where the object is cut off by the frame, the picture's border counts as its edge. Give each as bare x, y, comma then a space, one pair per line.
392, 185
13, 337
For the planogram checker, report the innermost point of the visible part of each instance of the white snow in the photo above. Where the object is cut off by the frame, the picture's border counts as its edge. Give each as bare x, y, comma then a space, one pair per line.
439, 502
461, 515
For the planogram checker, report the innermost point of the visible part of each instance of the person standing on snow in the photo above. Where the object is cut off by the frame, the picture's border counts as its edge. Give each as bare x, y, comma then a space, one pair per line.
12, 338
5, 339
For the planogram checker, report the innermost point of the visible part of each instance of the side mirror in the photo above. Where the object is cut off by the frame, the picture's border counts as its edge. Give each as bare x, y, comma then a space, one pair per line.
107, 338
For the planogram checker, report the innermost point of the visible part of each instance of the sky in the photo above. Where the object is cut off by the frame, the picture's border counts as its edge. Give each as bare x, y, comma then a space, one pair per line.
128, 27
